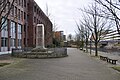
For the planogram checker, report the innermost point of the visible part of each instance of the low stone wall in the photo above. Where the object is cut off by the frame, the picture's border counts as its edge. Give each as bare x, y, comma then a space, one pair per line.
51, 53
59, 51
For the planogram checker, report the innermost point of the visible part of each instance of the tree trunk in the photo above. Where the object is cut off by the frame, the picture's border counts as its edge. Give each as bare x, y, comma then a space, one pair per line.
96, 49
0, 30
90, 45
87, 45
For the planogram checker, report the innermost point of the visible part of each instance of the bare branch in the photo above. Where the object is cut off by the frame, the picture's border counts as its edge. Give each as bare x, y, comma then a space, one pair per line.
112, 8
6, 15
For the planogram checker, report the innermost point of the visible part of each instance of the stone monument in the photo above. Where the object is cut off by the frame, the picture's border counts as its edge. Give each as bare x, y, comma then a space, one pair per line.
40, 36
40, 51
40, 45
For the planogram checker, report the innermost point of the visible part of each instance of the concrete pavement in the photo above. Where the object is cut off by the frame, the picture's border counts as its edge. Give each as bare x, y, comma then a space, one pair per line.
77, 66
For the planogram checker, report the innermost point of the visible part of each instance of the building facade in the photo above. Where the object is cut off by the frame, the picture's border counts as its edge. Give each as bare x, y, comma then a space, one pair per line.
111, 36
37, 16
59, 39
20, 26
59, 36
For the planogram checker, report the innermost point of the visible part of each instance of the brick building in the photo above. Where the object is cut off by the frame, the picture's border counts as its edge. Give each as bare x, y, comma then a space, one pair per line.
20, 31
59, 36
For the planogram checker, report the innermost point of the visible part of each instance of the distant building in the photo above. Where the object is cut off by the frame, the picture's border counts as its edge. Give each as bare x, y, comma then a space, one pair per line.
59, 35
111, 36
60, 38
64, 37
37, 16
21, 29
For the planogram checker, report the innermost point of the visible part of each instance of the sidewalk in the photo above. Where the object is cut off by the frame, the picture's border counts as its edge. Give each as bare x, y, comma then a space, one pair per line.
77, 66
5, 56
107, 53
5, 59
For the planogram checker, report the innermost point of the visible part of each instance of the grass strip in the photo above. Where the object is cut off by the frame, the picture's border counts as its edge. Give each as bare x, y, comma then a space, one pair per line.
117, 68
3, 64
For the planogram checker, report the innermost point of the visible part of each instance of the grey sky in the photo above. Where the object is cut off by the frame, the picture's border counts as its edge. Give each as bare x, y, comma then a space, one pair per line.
64, 12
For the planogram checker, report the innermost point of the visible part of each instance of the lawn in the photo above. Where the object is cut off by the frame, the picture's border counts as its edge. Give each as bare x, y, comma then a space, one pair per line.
117, 68
3, 64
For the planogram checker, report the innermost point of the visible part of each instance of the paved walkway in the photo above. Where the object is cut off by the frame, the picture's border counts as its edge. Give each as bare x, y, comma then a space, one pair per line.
77, 66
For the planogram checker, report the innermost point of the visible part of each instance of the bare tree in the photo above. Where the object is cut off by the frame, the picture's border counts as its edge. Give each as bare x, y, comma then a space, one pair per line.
84, 34
81, 34
96, 24
47, 11
87, 35
113, 9
49, 34
70, 37
5, 9
55, 27
77, 40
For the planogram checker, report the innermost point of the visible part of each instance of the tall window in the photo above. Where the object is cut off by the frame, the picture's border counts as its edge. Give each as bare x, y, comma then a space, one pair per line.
19, 42
37, 11
12, 28
24, 16
34, 19
27, 17
24, 3
12, 11
16, 12
37, 21
19, 14
12, 42
4, 42
19, 2
4, 33
19, 34
34, 8
19, 28
4, 26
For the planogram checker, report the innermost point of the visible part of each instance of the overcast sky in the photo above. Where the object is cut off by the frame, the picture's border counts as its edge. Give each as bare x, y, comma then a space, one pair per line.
64, 12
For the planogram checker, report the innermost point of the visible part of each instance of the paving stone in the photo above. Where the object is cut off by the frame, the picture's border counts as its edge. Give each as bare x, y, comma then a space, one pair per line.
77, 66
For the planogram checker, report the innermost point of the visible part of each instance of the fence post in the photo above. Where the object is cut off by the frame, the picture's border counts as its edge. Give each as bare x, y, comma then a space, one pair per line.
12, 54
65, 52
